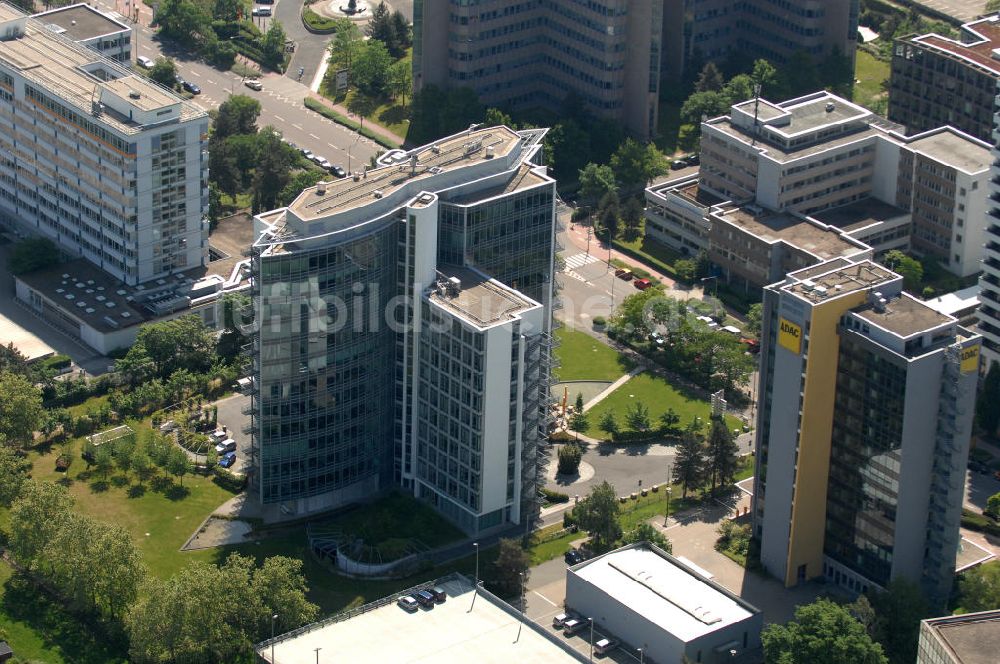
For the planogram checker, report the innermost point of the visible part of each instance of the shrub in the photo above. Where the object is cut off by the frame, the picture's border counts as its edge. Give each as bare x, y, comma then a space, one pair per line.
600, 321
229, 481
32, 254
555, 496
569, 459
993, 506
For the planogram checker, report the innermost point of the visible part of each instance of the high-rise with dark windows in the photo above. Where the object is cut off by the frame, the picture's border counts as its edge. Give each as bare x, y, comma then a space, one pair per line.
403, 332
866, 404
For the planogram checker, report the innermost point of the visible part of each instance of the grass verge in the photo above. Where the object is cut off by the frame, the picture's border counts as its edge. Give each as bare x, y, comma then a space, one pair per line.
871, 74
331, 114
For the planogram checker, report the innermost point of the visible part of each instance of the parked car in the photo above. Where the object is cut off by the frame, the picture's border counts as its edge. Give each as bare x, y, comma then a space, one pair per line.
561, 619
624, 273
339, 171
307, 153
191, 87
218, 436
978, 466
144, 62
226, 446
573, 557
572, 626
642, 284
439, 594
407, 603
678, 165
425, 598
261, 11
604, 646
692, 160
228, 460
253, 84
322, 162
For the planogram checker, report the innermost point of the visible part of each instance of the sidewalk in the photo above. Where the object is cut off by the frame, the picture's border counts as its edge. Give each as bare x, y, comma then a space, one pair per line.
372, 126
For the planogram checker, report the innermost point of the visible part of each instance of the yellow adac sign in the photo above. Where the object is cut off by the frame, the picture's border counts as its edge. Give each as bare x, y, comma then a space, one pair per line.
970, 359
790, 335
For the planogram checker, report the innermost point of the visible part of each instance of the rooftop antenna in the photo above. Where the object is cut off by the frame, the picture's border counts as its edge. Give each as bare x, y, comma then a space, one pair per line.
756, 108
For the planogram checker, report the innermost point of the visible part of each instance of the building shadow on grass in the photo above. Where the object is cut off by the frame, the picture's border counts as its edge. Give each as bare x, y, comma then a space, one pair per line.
78, 641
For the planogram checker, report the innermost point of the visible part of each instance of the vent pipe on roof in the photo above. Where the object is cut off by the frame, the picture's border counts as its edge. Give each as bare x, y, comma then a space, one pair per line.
321, 188
830, 106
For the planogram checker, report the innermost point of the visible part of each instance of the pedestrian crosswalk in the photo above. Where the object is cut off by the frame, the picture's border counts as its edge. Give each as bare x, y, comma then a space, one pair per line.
577, 261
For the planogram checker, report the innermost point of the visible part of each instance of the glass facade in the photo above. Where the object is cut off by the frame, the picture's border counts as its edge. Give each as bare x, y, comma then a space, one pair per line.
326, 366
508, 238
865, 460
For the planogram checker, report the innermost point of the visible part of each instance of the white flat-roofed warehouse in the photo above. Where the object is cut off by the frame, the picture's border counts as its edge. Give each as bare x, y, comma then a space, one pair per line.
459, 631
648, 599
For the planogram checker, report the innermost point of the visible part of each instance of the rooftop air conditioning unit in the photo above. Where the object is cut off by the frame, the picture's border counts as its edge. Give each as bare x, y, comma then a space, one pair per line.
377, 193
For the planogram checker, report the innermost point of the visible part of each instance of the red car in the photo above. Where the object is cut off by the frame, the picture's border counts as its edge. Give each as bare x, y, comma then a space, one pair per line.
642, 284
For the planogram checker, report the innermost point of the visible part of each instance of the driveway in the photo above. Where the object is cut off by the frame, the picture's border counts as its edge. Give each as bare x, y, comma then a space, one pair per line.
234, 420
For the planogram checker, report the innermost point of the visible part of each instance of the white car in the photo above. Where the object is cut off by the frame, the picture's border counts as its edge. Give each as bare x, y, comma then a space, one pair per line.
228, 445
408, 604
323, 163
144, 62
253, 84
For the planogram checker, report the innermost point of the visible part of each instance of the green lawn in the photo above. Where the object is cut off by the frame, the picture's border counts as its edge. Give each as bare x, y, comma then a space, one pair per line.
871, 73
543, 549
657, 395
582, 357
160, 516
394, 517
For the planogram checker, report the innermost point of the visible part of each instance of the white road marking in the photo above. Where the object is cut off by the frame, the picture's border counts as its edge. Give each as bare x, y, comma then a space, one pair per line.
579, 260
544, 597
314, 136
297, 126
279, 118
210, 81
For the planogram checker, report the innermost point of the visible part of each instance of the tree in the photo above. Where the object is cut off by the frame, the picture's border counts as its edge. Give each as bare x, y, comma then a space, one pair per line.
21, 412
172, 344
637, 417
370, 71
32, 254
35, 518
14, 470
898, 612
636, 165
569, 459
822, 633
273, 171
764, 74
382, 28
402, 29
164, 72
494, 117
578, 405
598, 515
579, 422
723, 453
272, 46
227, 10
669, 420
608, 424
296, 185
510, 570
596, 181
282, 588
645, 532
141, 464
708, 104
401, 79
909, 268
685, 270
632, 214
346, 44
987, 410
237, 116
710, 79
755, 317
738, 89
689, 462
185, 21
993, 506
104, 461
610, 222
362, 105
178, 464
979, 588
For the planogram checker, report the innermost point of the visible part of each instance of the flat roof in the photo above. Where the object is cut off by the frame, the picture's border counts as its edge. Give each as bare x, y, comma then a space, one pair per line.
904, 316
664, 591
815, 112
524, 178
859, 214
840, 280
480, 300
82, 22
973, 638
956, 302
449, 154
57, 64
796, 231
953, 148
24, 340
978, 52
489, 633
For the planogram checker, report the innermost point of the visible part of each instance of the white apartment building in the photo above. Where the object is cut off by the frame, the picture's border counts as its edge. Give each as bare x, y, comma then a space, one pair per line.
107, 164
989, 282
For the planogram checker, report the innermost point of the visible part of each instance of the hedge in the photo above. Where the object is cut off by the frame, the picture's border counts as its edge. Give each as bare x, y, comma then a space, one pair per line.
640, 436
555, 496
980, 523
229, 481
316, 23
327, 112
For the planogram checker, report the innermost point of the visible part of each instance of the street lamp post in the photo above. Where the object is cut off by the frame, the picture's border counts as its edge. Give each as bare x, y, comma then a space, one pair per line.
715, 279
642, 656
666, 520
476, 546
591, 639
273, 618
317, 654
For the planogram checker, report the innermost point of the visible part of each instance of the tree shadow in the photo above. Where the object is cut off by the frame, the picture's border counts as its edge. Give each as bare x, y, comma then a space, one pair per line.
99, 486
394, 115
161, 484
177, 492
119, 481
606, 449
65, 481
57, 628
136, 491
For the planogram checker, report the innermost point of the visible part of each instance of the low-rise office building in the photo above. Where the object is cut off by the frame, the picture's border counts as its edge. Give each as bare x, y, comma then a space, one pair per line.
677, 214
648, 599
937, 80
863, 430
972, 638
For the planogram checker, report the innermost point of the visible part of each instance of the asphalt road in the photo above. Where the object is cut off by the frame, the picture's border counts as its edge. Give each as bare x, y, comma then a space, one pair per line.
280, 100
